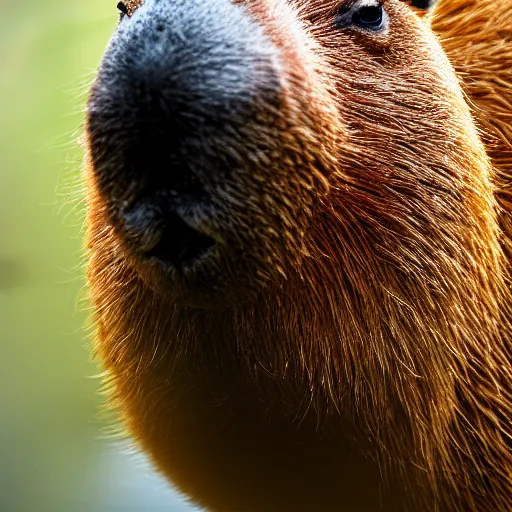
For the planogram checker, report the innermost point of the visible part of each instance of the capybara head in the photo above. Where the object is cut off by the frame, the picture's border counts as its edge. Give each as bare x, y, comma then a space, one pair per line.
217, 128
290, 198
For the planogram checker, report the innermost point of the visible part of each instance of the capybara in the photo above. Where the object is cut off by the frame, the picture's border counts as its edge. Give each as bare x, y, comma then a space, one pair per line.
298, 226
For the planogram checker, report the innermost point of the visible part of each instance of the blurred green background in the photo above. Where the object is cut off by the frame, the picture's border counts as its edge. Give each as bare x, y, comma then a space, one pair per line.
53, 454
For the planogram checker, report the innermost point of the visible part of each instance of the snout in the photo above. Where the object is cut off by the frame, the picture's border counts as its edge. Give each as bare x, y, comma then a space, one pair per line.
187, 96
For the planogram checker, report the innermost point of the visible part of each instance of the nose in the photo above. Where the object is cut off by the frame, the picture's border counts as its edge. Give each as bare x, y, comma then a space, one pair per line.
180, 85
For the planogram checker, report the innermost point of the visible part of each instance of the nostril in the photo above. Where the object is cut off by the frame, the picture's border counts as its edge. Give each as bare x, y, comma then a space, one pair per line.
179, 244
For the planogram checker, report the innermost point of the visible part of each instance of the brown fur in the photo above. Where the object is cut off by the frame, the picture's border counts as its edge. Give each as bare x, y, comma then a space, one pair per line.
478, 40
376, 343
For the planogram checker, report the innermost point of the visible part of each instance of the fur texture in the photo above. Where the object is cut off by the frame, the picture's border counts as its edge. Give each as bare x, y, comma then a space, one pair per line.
478, 40
355, 352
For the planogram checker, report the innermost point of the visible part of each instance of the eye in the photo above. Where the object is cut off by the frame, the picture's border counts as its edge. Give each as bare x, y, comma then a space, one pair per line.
123, 9
370, 17
364, 14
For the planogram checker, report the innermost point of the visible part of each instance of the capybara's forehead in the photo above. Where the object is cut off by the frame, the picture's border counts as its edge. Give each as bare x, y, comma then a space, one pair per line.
131, 5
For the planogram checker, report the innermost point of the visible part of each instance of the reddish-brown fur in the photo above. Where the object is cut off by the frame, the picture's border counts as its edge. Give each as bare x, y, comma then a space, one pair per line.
369, 366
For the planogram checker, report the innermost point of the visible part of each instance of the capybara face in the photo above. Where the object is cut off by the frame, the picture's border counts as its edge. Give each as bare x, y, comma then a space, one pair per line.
296, 256
221, 134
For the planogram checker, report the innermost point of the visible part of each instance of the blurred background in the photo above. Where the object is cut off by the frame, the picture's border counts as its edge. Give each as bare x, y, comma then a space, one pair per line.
53, 452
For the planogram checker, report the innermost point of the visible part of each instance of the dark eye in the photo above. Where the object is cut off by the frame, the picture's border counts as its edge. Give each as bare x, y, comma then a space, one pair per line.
365, 14
123, 10
369, 17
